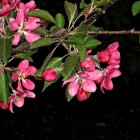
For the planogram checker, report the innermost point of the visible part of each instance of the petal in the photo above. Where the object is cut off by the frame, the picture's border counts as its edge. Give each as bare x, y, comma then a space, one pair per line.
73, 88
69, 80
31, 36
19, 102
31, 70
88, 85
32, 24
30, 94
113, 47
13, 24
28, 84
19, 87
30, 5
20, 17
104, 55
16, 39
15, 76
94, 75
82, 95
114, 73
115, 58
5, 10
24, 64
107, 83
11, 99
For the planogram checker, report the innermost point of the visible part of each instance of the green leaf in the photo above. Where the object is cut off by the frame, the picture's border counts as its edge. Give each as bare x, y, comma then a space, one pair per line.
71, 11
5, 49
40, 31
54, 62
81, 51
41, 42
47, 84
92, 43
42, 14
23, 56
59, 20
74, 39
4, 87
68, 97
136, 8
71, 65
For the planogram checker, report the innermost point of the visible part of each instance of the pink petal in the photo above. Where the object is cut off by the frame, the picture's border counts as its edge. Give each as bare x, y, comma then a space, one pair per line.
20, 15
11, 100
30, 5
115, 58
19, 87
24, 64
73, 88
16, 39
5, 10
3, 105
19, 101
32, 24
113, 47
30, 94
114, 73
107, 83
88, 85
82, 95
94, 75
104, 55
69, 80
13, 24
28, 84
15, 76
31, 70
4, 2
31, 36
88, 52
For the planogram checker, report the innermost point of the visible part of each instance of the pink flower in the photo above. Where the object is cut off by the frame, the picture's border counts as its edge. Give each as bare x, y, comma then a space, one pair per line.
3, 105
24, 71
111, 55
49, 74
80, 80
24, 26
5, 10
107, 74
17, 98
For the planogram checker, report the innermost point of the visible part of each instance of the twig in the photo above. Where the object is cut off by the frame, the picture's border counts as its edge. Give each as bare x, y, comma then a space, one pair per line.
125, 32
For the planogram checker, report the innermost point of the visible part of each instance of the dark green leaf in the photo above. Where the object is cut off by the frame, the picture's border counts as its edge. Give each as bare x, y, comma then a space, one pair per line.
4, 87
23, 56
81, 51
41, 42
59, 20
5, 49
42, 14
71, 65
74, 39
92, 43
136, 8
71, 11
40, 31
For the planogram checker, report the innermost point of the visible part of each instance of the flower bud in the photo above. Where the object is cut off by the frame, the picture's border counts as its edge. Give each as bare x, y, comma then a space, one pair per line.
104, 56
49, 74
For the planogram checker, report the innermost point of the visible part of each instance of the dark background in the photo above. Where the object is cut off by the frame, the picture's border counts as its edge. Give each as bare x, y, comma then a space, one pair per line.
113, 116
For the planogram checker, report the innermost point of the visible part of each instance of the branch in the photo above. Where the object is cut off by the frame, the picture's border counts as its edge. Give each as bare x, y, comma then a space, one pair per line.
128, 32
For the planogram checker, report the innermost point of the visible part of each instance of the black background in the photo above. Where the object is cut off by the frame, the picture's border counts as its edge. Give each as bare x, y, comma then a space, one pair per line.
113, 116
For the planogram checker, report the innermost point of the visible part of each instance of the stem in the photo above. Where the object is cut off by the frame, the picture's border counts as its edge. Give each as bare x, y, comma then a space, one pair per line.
125, 32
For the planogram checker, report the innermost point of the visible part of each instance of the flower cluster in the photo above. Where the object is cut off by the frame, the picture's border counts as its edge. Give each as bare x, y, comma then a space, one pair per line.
84, 82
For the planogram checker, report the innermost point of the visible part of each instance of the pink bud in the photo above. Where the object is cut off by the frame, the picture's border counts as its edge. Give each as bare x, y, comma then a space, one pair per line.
49, 74
104, 56
82, 95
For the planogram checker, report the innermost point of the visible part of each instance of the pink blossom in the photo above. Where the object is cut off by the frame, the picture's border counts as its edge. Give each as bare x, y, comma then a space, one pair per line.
5, 10
111, 55
49, 74
24, 26
17, 98
24, 71
80, 80
107, 75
